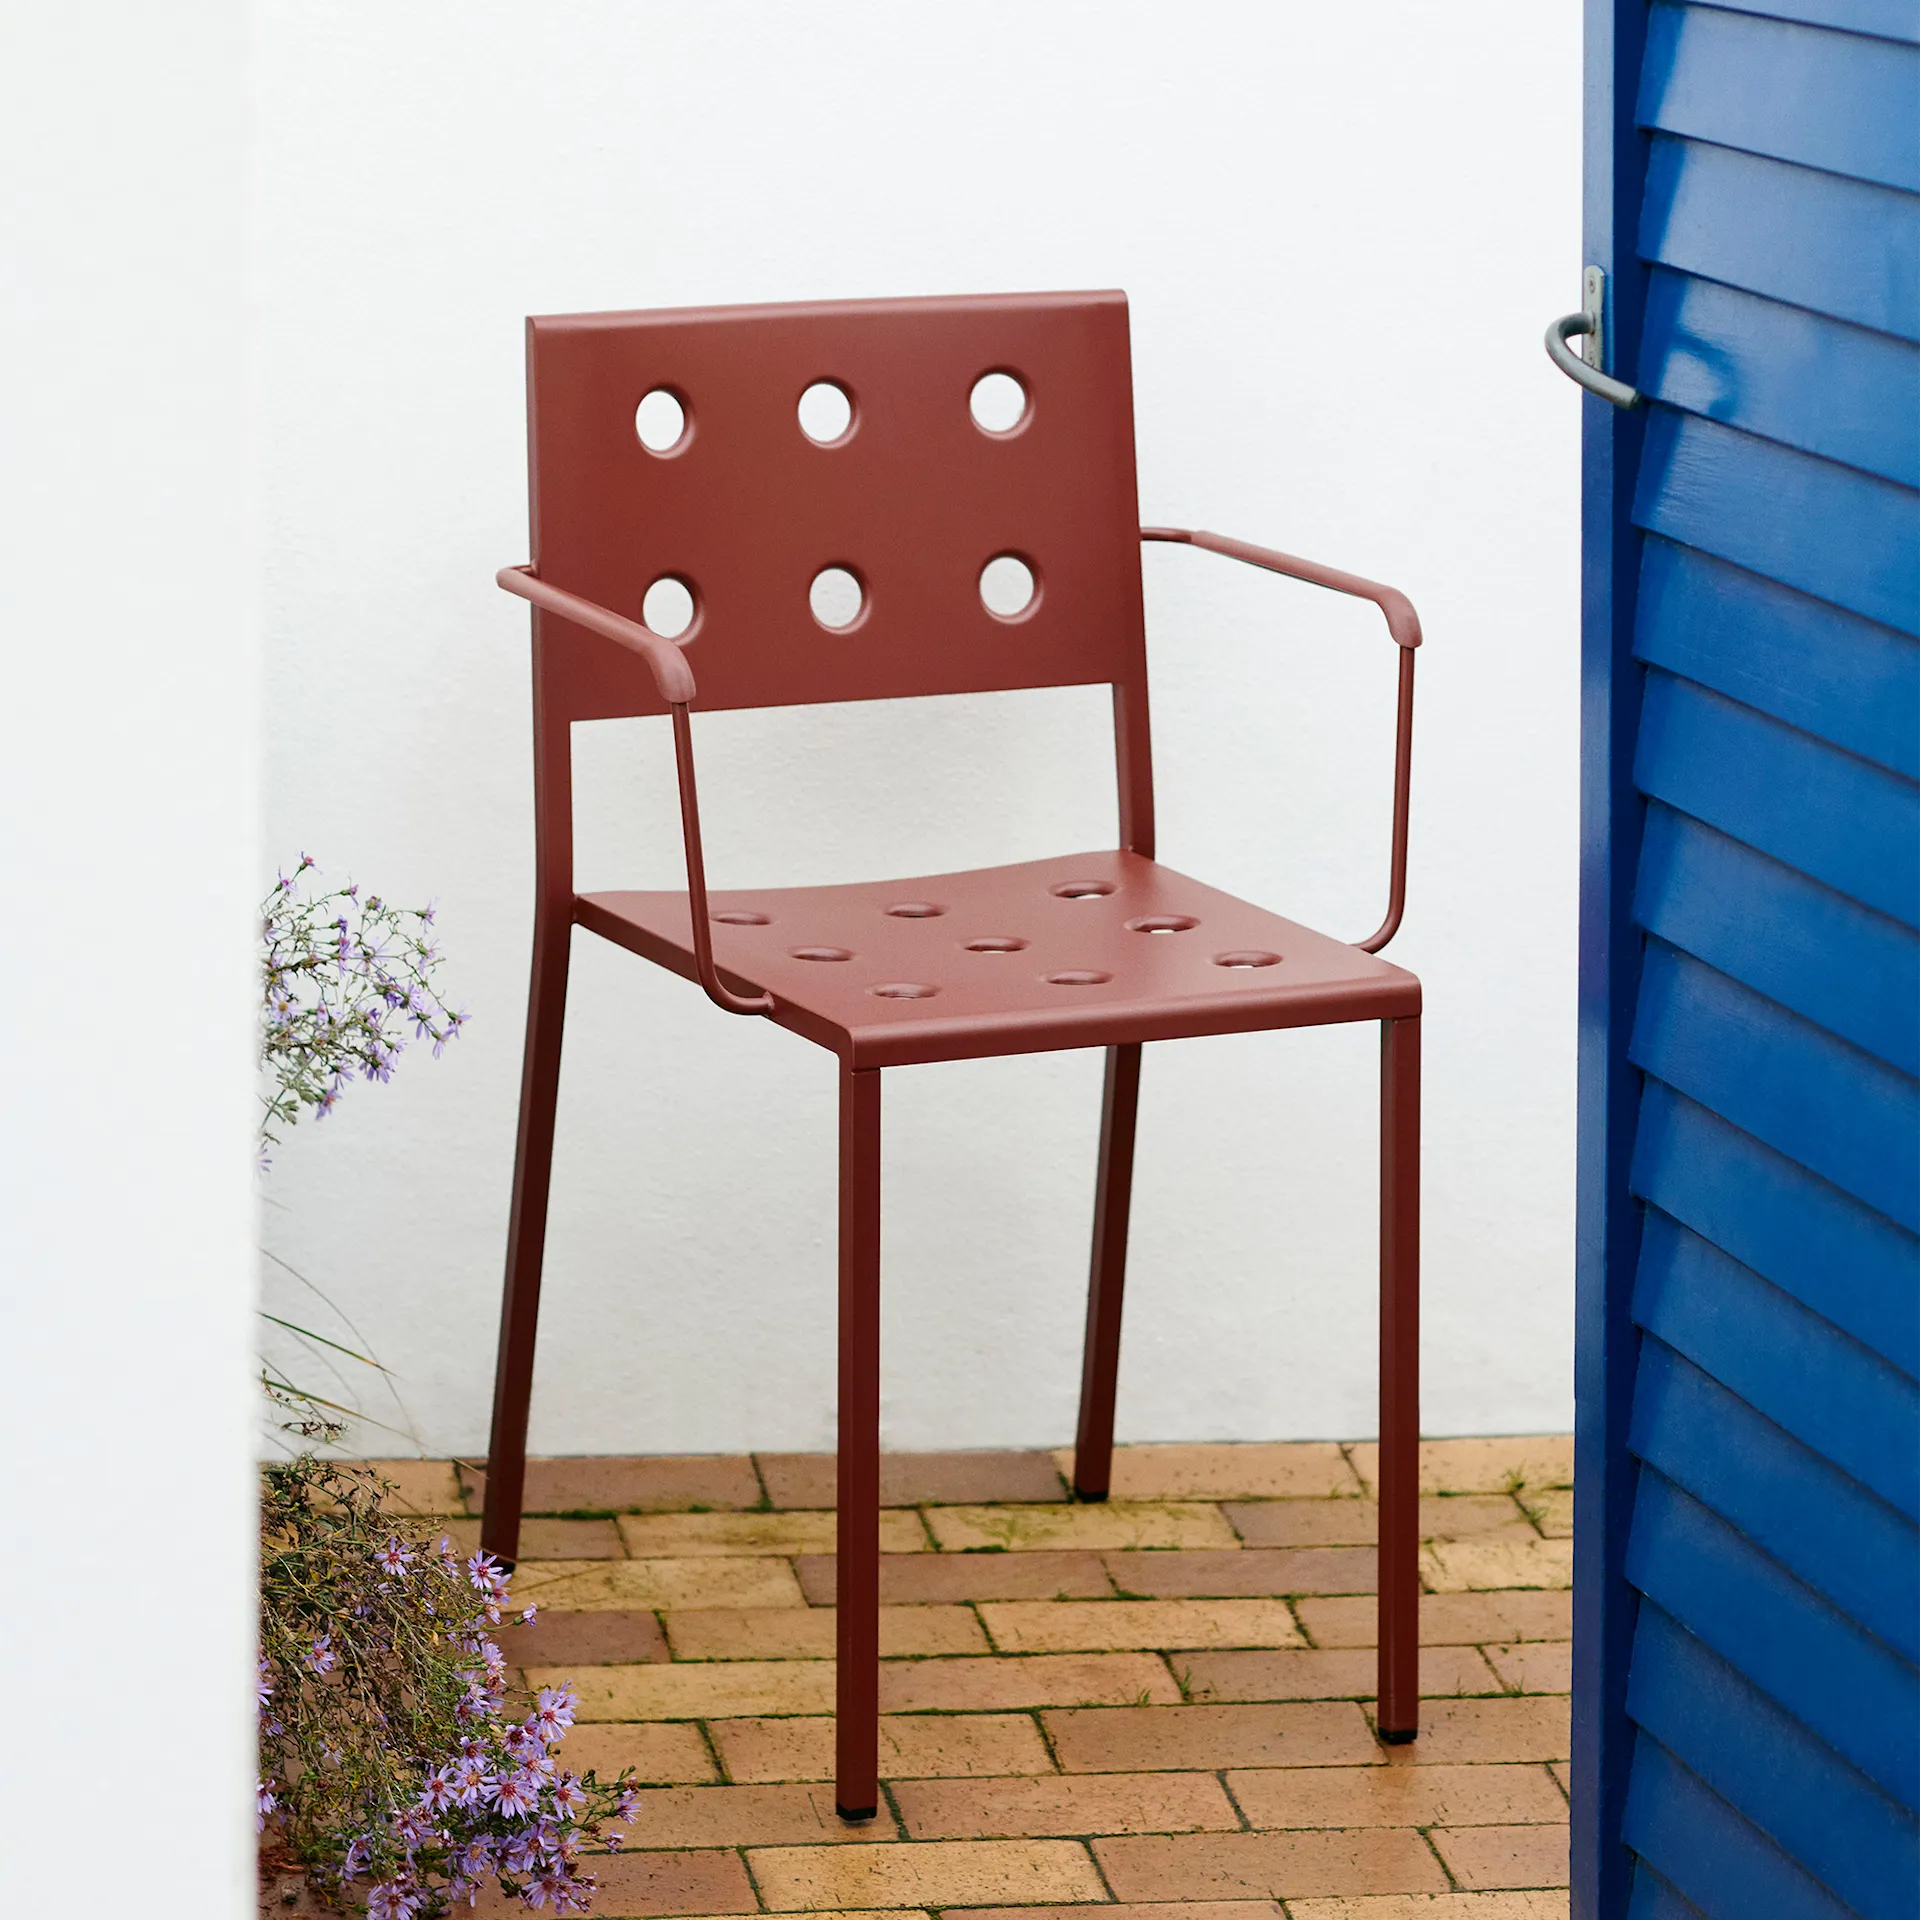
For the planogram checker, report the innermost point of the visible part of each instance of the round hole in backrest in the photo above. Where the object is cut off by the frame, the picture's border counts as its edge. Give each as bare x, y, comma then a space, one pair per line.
1007, 586
826, 413
669, 608
661, 421
998, 403
837, 598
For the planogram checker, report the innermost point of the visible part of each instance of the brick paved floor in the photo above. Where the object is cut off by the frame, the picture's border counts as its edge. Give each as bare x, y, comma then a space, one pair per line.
1159, 1707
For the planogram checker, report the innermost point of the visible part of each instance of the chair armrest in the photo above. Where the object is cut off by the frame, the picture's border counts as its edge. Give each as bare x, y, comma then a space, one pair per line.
1404, 626
1402, 622
674, 679
671, 674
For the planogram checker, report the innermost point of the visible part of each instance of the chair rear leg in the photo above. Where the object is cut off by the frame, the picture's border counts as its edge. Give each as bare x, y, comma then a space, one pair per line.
857, 1567
526, 1239
1100, 1365
1398, 1704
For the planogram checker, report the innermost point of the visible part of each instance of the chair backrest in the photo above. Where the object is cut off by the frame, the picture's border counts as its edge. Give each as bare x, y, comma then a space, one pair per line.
914, 498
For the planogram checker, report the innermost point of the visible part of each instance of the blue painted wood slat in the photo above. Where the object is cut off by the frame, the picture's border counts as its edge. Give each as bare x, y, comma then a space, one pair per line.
1802, 1372
1721, 1862
1742, 1746
1889, 19
1818, 1522
1832, 816
1827, 100
1841, 1113
1845, 967
1820, 385
1832, 531
1658, 1899
1850, 1264
1797, 1648
1851, 682
1836, 246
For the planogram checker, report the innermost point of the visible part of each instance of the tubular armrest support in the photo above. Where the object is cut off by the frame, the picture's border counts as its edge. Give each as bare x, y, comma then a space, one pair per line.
674, 679
1403, 624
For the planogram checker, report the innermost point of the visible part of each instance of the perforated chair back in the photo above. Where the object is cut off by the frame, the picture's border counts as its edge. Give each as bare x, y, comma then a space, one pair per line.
914, 498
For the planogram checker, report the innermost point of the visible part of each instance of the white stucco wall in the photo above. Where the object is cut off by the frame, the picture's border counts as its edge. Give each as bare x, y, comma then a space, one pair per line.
1342, 230
128, 855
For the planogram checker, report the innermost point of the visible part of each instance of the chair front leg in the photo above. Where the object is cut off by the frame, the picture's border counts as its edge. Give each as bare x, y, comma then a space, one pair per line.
1398, 1704
857, 1567
526, 1235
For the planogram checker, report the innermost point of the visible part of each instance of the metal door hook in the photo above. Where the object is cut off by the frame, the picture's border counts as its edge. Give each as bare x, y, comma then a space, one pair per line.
1584, 369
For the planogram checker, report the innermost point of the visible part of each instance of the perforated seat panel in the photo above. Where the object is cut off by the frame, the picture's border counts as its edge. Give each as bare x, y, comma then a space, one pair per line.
1086, 950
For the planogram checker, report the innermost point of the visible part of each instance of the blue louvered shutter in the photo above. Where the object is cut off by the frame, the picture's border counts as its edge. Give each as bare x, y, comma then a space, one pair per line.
1750, 1674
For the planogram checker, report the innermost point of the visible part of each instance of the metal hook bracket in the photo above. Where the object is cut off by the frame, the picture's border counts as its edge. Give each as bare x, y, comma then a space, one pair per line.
1589, 325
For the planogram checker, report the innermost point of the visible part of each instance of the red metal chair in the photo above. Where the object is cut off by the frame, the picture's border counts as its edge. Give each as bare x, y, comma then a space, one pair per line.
914, 498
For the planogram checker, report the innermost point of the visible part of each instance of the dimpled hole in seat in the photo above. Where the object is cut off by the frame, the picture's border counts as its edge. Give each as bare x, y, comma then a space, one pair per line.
741, 917
1081, 889
915, 910
1163, 923
904, 990
820, 953
1079, 977
995, 943
1250, 957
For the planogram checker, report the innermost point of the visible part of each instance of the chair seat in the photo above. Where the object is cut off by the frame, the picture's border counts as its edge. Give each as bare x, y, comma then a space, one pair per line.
1087, 950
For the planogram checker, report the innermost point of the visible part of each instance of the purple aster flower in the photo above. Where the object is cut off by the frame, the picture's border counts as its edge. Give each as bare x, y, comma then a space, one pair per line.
320, 1656
264, 1684
569, 1797
392, 1900
472, 1782
624, 1808
526, 1619
440, 1793
393, 1558
516, 1794
520, 1855
263, 1804
483, 1570
553, 1714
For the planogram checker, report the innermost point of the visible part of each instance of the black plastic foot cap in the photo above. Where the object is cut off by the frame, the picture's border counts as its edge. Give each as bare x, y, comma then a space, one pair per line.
852, 1815
1090, 1499
1398, 1736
